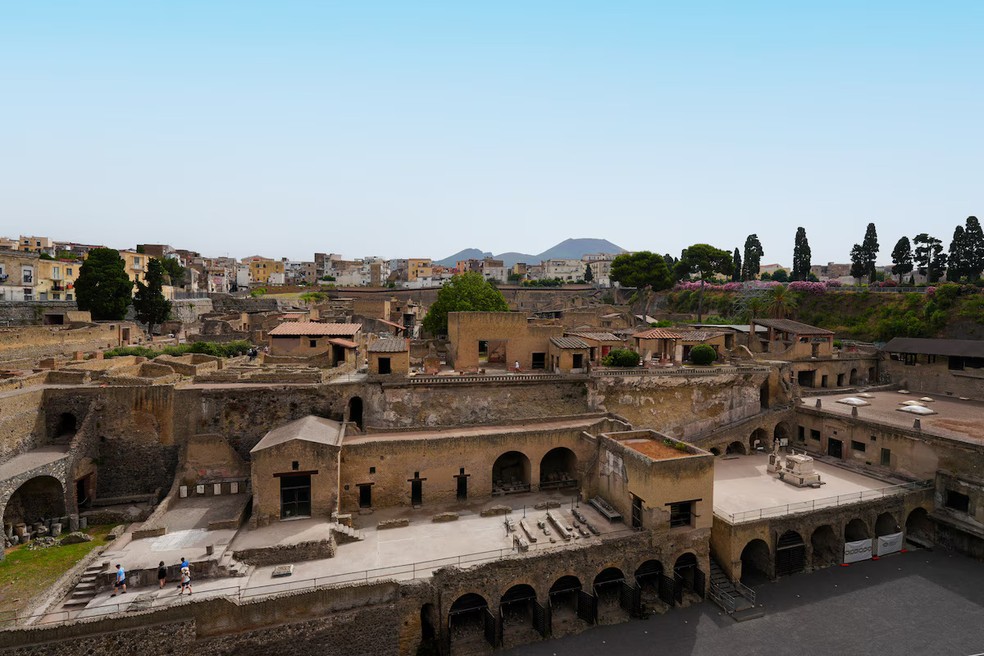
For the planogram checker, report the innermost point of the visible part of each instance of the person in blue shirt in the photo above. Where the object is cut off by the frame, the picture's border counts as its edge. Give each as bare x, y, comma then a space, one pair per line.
120, 580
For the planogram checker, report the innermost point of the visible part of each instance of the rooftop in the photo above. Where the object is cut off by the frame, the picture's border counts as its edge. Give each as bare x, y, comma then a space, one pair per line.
309, 429
973, 348
291, 328
657, 333
568, 342
790, 326
392, 345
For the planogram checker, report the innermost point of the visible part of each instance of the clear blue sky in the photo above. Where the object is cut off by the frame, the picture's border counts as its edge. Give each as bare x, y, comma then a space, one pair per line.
417, 129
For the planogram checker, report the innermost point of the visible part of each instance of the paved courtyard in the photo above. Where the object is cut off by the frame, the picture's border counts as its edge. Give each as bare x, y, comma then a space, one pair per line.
919, 603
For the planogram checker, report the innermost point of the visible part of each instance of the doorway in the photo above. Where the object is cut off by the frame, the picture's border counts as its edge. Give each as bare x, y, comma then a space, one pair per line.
578, 361
365, 495
462, 486
416, 492
835, 448
295, 496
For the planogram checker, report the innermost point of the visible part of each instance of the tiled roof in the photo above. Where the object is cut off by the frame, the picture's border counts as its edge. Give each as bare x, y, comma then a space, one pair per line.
343, 343
304, 328
392, 324
657, 333
391, 345
598, 337
698, 335
790, 326
569, 343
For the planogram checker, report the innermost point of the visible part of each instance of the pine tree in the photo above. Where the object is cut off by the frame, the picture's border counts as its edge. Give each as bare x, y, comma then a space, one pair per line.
929, 257
902, 258
736, 260
801, 256
149, 303
957, 262
752, 259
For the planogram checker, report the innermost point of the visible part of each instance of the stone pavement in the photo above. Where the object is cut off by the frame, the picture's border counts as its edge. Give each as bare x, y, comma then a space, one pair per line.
919, 603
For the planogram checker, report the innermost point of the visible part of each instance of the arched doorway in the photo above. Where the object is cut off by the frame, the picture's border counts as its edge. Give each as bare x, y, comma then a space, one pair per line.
756, 563
919, 528
647, 576
558, 469
827, 547
886, 525
759, 441
853, 380
736, 448
608, 584
41, 497
790, 554
563, 603
516, 610
355, 411
715, 451
685, 571
67, 426
781, 431
511, 473
428, 630
466, 619
856, 530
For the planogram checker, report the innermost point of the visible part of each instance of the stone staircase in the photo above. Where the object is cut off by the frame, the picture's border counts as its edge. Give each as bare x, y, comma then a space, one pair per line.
736, 599
345, 533
85, 590
230, 567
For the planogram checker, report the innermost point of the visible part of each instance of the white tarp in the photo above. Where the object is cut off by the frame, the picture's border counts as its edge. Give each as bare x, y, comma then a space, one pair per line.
857, 551
886, 544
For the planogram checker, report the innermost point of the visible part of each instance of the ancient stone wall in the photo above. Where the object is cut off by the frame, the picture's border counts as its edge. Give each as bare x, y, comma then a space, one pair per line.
22, 422
36, 342
30, 313
936, 378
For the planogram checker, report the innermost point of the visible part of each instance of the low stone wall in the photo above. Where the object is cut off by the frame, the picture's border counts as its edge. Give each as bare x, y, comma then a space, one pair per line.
291, 553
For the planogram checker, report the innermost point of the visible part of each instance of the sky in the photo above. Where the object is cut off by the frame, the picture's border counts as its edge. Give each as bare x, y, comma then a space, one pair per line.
417, 129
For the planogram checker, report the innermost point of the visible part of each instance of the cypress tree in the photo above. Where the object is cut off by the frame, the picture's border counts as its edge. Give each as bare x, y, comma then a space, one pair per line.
801, 256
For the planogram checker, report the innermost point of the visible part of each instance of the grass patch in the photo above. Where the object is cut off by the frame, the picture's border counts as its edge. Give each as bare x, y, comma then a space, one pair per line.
25, 573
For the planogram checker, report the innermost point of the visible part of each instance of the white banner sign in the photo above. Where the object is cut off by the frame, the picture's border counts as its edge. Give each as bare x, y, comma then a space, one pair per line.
886, 544
857, 551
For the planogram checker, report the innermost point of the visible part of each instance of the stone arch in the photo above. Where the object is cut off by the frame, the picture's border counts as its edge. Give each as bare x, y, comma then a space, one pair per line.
66, 426
715, 451
685, 570
355, 412
736, 448
516, 611
511, 473
647, 575
886, 525
607, 584
756, 562
563, 593
919, 526
41, 497
827, 547
855, 530
759, 439
853, 378
790, 554
466, 615
558, 468
782, 431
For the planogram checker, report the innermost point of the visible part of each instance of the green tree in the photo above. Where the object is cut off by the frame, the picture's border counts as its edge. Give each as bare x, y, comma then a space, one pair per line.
641, 269
801, 256
704, 261
149, 303
752, 258
620, 357
780, 302
703, 354
103, 288
780, 275
902, 258
858, 265
958, 263
468, 292
869, 251
929, 257
974, 237
736, 263
588, 273
175, 272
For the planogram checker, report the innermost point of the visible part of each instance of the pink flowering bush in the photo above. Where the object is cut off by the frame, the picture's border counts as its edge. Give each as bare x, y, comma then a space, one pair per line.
815, 288
930, 291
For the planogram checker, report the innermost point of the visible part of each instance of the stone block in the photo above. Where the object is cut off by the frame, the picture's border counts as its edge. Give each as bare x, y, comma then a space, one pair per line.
492, 511
445, 517
392, 523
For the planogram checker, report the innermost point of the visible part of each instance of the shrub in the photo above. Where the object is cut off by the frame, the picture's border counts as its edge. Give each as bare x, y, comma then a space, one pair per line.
703, 354
259, 291
621, 358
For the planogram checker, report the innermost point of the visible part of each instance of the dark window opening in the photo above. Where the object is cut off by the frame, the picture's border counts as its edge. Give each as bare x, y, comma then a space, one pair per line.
814, 435
886, 457
313, 343
801, 433
578, 361
372, 470
384, 366
835, 448
909, 359
957, 501
858, 446
295, 466
681, 514
637, 512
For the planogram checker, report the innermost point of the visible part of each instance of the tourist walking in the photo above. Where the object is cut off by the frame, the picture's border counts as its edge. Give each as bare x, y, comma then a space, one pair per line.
162, 574
185, 565
185, 580
120, 580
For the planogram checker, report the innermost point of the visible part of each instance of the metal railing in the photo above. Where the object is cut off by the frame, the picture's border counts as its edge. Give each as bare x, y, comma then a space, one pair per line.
682, 371
482, 379
827, 502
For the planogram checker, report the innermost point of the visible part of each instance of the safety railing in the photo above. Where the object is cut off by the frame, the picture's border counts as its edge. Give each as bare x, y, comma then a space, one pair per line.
465, 379
826, 502
679, 371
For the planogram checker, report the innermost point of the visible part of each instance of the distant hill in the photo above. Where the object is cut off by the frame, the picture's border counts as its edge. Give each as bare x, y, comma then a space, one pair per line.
569, 249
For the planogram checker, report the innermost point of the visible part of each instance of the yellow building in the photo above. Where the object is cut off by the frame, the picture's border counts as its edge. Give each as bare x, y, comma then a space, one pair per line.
56, 280
136, 265
264, 271
419, 268
35, 244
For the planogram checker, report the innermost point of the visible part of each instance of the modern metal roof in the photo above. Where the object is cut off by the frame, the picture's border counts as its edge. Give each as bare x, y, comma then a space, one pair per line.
790, 326
598, 337
569, 343
389, 345
968, 348
305, 328
308, 429
657, 333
